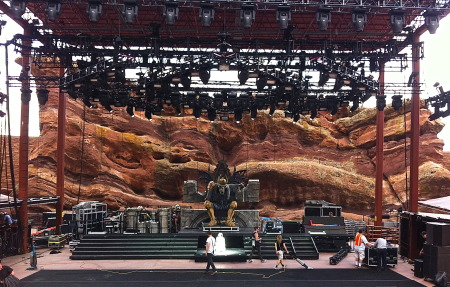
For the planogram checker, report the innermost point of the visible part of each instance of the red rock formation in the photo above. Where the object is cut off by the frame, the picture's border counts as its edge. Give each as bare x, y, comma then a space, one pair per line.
125, 161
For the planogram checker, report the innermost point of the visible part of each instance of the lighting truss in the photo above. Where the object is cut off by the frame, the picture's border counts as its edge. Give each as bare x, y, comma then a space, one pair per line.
441, 105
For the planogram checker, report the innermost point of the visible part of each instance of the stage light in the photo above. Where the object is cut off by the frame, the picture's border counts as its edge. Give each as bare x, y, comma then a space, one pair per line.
206, 14
53, 10
86, 102
332, 104
130, 11
130, 111
359, 19
204, 74
148, 113
272, 110
253, 113
18, 7
171, 12
397, 21
431, 21
42, 95
338, 84
242, 76
283, 16
247, 15
212, 114
355, 105
186, 80
437, 113
296, 118
323, 78
261, 83
218, 101
373, 64
197, 111
397, 102
238, 115
381, 102
94, 10
323, 18
2, 114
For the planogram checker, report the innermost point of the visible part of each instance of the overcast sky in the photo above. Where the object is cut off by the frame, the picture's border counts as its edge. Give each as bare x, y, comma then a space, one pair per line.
434, 68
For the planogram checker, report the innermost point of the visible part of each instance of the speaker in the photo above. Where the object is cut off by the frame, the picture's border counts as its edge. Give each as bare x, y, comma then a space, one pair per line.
404, 235
418, 268
435, 259
438, 233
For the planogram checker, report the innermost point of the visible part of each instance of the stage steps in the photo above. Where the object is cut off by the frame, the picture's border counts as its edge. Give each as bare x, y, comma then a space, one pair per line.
136, 246
303, 244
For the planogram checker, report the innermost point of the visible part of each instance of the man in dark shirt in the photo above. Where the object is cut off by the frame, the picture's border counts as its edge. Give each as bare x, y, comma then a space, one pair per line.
256, 245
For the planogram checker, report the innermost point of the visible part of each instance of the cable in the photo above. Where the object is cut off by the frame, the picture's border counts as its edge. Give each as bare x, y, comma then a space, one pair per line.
82, 153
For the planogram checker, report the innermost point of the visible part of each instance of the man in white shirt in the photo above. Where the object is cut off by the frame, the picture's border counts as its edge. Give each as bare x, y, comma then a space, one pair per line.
209, 252
360, 245
381, 246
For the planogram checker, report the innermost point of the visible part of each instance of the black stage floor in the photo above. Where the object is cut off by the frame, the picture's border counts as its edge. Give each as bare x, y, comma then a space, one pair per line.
228, 278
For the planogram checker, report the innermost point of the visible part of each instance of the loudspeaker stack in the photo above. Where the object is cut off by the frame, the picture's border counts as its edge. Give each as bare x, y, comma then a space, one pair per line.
437, 249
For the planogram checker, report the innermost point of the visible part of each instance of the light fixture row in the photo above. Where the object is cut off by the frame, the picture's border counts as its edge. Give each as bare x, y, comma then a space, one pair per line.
247, 14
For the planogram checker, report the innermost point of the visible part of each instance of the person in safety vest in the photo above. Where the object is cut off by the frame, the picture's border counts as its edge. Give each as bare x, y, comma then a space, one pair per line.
360, 245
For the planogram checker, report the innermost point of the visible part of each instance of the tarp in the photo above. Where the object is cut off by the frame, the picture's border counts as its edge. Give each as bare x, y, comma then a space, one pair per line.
441, 203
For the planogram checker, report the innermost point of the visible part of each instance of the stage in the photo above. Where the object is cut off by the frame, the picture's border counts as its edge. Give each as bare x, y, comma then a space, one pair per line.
224, 277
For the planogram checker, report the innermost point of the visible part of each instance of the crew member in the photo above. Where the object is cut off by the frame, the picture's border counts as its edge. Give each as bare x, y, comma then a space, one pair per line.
360, 245
256, 245
381, 246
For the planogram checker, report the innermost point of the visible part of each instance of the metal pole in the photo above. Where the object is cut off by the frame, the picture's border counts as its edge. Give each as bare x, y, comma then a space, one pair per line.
60, 155
23, 143
415, 127
380, 157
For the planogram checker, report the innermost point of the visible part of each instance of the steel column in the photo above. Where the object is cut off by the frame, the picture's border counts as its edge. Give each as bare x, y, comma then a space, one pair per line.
415, 127
60, 157
379, 156
23, 145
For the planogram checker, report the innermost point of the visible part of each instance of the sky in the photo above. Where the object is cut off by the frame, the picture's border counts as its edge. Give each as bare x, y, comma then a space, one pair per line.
434, 68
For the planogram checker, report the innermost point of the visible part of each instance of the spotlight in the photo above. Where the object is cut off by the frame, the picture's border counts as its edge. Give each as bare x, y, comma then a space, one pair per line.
397, 21
247, 15
381, 102
238, 115
204, 74
359, 19
253, 113
323, 18
338, 84
296, 118
272, 110
218, 100
332, 104
243, 76
212, 114
261, 83
323, 78
197, 111
148, 113
171, 12
437, 113
86, 102
186, 80
283, 16
374, 65
18, 7
431, 21
130, 11
2, 114
94, 10
355, 105
130, 111
42, 95
207, 14
53, 10
397, 102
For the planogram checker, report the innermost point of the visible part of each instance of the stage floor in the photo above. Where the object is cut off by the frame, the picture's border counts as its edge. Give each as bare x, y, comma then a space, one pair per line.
60, 267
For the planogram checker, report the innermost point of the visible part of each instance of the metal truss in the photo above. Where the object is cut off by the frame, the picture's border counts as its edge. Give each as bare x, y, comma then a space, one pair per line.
31, 201
384, 4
